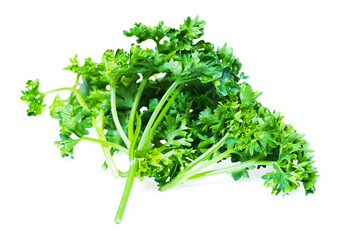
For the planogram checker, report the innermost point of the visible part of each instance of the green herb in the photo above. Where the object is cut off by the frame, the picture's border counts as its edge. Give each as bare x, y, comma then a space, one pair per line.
176, 110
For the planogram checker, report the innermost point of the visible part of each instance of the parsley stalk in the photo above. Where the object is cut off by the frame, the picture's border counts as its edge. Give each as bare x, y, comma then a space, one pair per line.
164, 111
116, 118
103, 142
187, 171
233, 168
98, 124
73, 90
108, 156
133, 161
144, 137
131, 174
135, 105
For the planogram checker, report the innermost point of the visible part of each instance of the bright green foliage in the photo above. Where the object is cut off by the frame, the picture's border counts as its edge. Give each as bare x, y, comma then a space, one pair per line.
176, 110
34, 98
73, 120
174, 131
144, 33
281, 181
66, 145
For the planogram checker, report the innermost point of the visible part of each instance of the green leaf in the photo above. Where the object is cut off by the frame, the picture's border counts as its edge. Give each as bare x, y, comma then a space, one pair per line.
192, 28
310, 178
144, 33
175, 67
66, 145
125, 96
114, 59
206, 141
175, 132
247, 95
91, 73
33, 97
72, 120
225, 54
74, 66
96, 98
114, 137
57, 106
280, 181
237, 175
75, 120
153, 104
230, 142
207, 118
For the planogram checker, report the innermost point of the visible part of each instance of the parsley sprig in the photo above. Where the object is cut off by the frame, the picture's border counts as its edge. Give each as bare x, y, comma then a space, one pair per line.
176, 111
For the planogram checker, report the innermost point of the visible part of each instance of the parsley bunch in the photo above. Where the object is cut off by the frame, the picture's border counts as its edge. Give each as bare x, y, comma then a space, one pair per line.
175, 110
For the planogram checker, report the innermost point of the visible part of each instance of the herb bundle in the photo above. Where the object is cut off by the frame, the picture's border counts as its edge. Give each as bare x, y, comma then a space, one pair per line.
176, 111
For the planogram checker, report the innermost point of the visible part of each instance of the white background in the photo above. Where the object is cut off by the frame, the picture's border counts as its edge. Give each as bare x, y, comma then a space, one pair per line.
290, 49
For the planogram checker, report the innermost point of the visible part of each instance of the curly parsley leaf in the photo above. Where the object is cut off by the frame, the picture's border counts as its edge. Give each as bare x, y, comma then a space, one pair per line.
281, 181
33, 97
73, 121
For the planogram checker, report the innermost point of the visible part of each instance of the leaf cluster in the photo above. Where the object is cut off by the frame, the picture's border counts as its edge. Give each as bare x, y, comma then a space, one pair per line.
176, 110
33, 97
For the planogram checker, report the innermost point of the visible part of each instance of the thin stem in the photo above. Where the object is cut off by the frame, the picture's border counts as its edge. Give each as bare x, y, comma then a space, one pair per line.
135, 106
103, 142
164, 111
59, 89
188, 172
127, 191
145, 135
188, 80
72, 89
207, 153
116, 118
131, 175
77, 80
210, 162
181, 177
230, 169
98, 126
108, 156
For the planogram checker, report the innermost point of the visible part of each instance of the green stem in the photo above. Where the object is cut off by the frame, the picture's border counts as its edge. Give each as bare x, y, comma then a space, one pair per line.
231, 169
97, 124
188, 80
188, 172
131, 175
72, 89
60, 89
135, 106
103, 142
77, 80
207, 153
208, 163
164, 111
108, 156
145, 135
128, 188
116, 118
